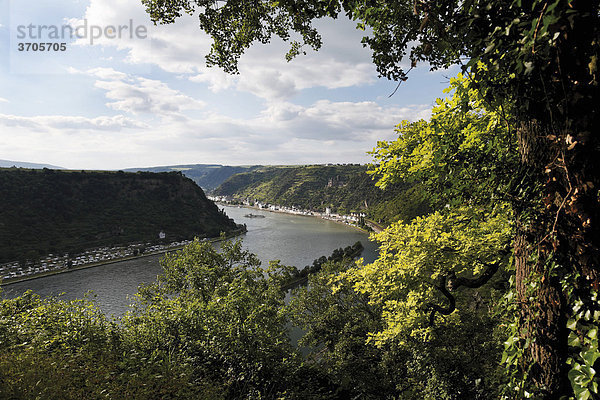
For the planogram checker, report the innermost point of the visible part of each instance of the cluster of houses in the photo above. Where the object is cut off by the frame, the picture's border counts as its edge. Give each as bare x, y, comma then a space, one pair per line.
354, 219
50, 263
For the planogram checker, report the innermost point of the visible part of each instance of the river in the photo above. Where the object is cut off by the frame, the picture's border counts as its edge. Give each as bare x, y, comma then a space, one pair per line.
292, 239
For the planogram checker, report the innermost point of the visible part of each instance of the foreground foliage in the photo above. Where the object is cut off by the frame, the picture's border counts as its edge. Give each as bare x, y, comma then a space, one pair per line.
215, 326
211, 327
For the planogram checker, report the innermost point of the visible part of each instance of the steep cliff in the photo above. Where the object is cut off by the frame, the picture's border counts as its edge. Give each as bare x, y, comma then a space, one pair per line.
49, 211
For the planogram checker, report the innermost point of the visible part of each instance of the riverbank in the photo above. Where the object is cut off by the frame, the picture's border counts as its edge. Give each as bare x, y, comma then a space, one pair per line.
377, 228
9, 281
299, 214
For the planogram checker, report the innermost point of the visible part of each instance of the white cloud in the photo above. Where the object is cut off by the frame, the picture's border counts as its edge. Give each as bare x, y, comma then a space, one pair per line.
181, 48
43, 123
216, 79
3, 100
283, 134
347, 121
139, 95
163, 123
147, 96
107, 74
100, 72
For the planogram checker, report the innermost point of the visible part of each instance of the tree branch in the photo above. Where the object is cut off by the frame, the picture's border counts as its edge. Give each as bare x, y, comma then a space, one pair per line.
441, 286
455, 282
450, 282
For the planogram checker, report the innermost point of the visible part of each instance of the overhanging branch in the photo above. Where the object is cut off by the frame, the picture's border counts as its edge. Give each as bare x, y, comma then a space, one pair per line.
441, 286
450, 282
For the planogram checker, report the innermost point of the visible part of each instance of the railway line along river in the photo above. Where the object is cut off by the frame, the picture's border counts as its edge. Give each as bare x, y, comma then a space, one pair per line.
292, 239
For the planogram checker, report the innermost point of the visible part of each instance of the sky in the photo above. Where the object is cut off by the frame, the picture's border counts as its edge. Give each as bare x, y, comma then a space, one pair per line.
146, 98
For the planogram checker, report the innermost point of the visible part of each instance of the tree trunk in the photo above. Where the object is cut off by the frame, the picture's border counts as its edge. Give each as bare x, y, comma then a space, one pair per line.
542, 321
558, 218
542, 305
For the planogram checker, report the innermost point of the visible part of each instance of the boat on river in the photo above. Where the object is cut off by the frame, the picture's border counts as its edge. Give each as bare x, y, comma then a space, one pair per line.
253, 216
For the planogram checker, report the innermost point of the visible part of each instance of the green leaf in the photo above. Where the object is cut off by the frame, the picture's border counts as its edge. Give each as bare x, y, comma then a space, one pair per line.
572, 324
590, 356
583, 394
574, 372
574, 340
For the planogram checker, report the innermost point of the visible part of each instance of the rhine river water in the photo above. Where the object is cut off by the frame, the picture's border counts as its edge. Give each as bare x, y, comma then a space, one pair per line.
294, 240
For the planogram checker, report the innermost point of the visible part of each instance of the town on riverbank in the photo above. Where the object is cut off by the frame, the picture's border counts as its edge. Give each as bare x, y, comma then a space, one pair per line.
355, 220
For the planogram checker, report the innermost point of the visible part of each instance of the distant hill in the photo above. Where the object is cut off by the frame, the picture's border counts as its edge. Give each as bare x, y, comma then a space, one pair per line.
207, 176
48, 211
20, 164
343, 188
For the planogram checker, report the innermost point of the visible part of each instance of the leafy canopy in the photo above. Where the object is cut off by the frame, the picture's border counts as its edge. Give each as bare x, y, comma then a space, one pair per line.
464, 157
211, 327
220, 312
513, 39
415, 255
465, 153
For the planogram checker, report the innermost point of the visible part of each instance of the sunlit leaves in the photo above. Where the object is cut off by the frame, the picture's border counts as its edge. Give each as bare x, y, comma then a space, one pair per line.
463, 154
414, 255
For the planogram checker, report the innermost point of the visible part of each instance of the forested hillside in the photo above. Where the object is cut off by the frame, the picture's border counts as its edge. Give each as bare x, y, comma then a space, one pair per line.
48, 211
343, 188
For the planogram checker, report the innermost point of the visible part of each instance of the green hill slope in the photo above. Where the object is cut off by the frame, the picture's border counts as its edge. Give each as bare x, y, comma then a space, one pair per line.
343, 188
48, 211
